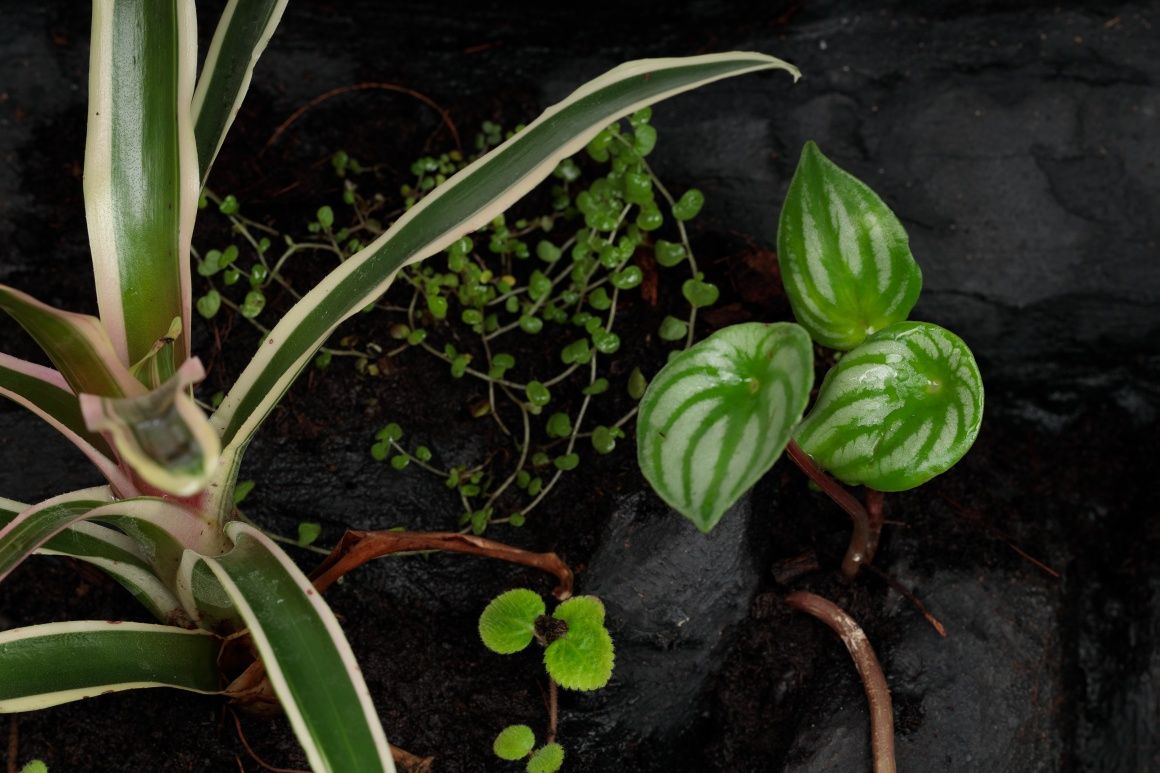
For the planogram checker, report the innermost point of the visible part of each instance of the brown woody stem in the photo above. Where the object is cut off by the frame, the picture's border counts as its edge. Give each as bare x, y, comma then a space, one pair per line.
873, 680
864, 540
357, 547
553, 709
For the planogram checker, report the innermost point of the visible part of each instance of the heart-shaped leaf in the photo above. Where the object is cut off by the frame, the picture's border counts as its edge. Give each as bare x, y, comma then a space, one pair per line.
898, 410
507, 624
715, 419
582, 658
845, 259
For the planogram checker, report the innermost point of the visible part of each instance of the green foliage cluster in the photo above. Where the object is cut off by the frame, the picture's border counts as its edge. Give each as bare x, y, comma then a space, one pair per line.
557, 276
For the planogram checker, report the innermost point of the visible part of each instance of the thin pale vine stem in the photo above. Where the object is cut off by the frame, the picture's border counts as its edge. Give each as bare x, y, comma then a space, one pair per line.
873, 680
861, 549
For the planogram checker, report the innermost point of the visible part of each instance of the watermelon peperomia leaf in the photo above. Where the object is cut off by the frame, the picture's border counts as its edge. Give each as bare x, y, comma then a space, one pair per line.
898, 410
716, 418
845, 259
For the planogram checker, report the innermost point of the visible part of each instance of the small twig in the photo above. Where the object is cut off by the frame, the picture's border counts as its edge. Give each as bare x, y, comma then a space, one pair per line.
877, 691
910, 596
254, 755
553, 709
412, 763
357, 547
443, 114
861, 549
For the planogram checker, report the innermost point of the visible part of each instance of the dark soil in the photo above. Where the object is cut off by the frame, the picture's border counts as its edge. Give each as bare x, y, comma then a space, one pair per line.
1019, 148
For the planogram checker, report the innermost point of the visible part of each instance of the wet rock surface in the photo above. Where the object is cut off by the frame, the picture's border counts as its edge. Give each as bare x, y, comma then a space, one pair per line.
1018, 147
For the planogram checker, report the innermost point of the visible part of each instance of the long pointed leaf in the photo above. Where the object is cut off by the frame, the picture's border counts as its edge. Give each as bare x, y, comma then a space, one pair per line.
77, 344
141, 175
113, 553
244, 29
467, 201
45, 392
46, 665
306, 655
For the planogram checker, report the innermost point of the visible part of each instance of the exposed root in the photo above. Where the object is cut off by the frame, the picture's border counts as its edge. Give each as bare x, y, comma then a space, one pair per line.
357, 547
873, 680
910, 596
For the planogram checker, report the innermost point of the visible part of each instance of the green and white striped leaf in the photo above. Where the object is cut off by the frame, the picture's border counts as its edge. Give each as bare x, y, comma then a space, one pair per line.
141, 173
46, 665
113, 553
45, 392
305, 653
898, 410
464, 203
719, 414
37, 524
163, 436
845, 259
244, 29
77, 344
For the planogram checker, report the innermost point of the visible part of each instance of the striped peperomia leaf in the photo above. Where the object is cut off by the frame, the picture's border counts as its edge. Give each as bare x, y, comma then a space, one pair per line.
716, 418
845, 259
898, 410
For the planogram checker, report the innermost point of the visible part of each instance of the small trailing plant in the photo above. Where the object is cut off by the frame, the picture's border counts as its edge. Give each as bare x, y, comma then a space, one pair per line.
121, 386
902, 404
557, 276
578, 655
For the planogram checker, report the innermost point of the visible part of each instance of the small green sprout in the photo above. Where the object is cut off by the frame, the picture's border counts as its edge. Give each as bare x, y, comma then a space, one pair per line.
578, 655
38, 766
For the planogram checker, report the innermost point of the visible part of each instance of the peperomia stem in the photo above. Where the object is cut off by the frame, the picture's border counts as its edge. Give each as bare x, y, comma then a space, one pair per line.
862, 541
357, 547
877, 691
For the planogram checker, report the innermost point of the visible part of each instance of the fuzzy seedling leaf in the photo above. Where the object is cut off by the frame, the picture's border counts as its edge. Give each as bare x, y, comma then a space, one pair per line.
719, 414
514, 742
583, 658
548, 759
507, 624
845, 259
898, 410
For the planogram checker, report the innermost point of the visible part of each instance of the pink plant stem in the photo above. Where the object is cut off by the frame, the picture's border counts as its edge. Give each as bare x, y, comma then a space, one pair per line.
873, 680
862, 541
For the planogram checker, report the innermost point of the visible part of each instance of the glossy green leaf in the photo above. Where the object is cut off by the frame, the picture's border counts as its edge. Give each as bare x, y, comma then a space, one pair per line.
507, 624
514, 742
141, 172
897, 410
467, 201
845, 259
306, 655
36, 525
46, 665
719, 414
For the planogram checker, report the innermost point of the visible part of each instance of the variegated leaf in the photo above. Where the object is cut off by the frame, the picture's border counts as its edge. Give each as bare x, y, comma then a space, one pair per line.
898, 410
716, 418
845, 259
46, 665
163, 435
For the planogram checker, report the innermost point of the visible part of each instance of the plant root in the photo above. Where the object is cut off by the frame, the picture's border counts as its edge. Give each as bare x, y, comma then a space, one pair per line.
873, 680
357, 547
864, 540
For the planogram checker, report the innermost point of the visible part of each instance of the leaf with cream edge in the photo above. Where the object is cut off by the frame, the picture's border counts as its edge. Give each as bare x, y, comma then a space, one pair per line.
162, 435
898, 410
719, 414
304, 651
141, 172
114, 554
243, 30
47, 665
845, 259
463, 204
